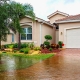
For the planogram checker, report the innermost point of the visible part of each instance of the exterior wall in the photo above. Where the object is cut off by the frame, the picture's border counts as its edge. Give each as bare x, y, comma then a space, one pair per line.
62, 30
39, 30
56, 17
45, 30
57, 36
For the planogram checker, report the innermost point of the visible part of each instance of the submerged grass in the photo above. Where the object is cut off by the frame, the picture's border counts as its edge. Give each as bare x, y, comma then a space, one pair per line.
37, 56
21, 60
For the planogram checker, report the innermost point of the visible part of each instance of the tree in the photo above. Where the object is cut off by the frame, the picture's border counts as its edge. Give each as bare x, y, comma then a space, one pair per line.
10, 15
18, 11
3, 19
47, 43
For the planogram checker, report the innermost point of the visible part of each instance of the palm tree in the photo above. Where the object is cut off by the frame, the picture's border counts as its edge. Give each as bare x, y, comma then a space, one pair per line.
10, 15
18, 11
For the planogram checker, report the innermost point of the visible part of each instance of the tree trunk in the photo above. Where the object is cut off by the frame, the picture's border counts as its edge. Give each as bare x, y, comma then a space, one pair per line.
0, 44
19, 41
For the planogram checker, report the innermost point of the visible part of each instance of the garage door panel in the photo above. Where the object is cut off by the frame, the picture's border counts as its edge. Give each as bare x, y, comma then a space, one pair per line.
73, 38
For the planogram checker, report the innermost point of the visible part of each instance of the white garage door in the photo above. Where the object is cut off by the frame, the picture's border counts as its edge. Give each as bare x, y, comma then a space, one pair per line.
73, 38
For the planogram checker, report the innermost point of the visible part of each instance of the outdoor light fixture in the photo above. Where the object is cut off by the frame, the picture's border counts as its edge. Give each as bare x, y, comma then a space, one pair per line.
61, 33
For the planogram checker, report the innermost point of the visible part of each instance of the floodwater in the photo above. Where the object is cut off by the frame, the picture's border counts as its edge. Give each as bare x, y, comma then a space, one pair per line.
63, 66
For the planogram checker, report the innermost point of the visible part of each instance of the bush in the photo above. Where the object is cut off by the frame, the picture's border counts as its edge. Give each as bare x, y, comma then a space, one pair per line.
50, 49
42, 46
23, 45
48, 37
37, 48
26, 50
60, 44
46, 43
6, 45
10, 46
21, 50
15, 51
15, 45
31, 45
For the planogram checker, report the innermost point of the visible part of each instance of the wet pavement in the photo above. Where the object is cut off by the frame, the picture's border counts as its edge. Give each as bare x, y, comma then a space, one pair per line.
65, 65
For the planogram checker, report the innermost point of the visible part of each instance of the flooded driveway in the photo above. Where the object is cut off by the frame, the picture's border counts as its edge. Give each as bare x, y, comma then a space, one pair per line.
64, 66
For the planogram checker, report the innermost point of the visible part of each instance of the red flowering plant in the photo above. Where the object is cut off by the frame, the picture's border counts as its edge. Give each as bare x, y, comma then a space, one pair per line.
62, 44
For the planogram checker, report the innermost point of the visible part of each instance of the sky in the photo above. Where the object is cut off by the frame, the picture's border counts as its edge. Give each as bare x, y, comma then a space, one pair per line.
43, 8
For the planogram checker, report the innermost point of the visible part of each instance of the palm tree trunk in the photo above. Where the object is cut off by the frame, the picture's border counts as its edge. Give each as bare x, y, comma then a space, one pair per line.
19, 41
0, 44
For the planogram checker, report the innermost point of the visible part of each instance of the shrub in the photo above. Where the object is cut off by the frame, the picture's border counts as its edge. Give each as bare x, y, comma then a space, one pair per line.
50, 49
21, 50
48, 37
46, 43
23, 45
26, 50
15, 45
37, 48
6, 45
31, 45
10, 46
15, 51
60, 44
4, 52
42, 46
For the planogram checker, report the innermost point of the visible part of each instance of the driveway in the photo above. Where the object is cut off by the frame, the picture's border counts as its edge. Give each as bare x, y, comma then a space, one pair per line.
64, 66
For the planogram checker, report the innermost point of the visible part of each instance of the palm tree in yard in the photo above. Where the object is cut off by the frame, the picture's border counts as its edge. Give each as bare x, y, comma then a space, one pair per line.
15, 12
18, 11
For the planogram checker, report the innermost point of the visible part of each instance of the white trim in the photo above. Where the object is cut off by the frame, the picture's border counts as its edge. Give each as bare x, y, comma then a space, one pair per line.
56, 13
65, 32
67, 21
41, 20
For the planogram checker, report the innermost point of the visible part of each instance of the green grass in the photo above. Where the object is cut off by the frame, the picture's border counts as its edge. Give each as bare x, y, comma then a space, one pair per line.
21, 60
37, 56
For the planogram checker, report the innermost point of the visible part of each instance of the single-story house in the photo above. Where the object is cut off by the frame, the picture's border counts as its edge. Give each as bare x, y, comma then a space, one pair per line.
61, 26
67, 28
34, 31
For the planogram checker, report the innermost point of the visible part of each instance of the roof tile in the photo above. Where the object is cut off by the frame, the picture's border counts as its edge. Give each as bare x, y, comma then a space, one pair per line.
73, 17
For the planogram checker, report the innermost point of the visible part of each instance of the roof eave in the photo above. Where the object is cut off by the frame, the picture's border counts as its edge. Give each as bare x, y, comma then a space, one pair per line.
41, 21
67, 21
57, 13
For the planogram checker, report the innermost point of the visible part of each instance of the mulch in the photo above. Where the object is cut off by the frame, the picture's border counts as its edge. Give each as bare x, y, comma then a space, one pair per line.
48, 51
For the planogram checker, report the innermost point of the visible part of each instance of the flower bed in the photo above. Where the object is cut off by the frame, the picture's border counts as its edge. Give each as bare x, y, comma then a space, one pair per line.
45, 50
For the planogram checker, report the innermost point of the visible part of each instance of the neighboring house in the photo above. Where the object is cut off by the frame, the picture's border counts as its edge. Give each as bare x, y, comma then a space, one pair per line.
34, 31
61, 26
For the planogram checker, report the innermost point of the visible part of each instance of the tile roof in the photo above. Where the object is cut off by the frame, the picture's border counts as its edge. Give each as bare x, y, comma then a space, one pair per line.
70, 18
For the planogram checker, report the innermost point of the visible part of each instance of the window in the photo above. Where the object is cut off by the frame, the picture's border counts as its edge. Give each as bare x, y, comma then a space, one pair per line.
12, 37
27, 33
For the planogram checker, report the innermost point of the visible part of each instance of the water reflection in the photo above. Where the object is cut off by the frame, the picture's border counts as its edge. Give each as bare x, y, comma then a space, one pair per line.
8, 63
63, 66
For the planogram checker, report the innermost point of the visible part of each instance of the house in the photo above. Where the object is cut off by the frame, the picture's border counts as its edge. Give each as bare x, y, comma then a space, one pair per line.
34, 31
61, 26
68, 28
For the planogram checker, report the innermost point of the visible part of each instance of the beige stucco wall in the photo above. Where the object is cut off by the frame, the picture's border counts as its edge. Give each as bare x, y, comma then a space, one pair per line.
62, 28
45, 30
57, 36
56, 17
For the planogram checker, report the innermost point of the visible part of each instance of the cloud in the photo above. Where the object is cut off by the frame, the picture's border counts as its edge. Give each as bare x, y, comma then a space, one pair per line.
68, 1
43, 8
